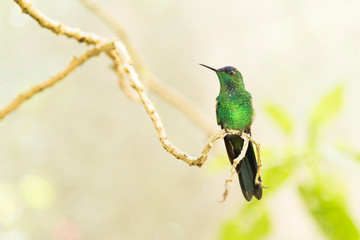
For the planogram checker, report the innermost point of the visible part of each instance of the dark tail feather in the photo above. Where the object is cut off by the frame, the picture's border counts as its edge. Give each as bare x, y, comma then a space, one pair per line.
247, 168
247, 173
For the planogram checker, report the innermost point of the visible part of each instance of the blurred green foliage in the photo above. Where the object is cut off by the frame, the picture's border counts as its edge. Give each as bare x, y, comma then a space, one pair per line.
235, 228
320, 190
328, 108
324, 198
280, 118
351, 152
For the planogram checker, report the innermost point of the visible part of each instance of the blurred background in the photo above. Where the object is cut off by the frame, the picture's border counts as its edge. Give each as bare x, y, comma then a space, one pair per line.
82, 161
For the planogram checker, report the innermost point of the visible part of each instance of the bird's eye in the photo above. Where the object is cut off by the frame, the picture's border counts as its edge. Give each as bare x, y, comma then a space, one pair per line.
231, 72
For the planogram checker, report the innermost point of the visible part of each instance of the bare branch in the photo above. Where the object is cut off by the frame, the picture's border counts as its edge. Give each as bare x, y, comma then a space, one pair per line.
117, 51
183, 104
62, 29
259, 163
119, 69
57, 27
21, 98
165, 92
111, 20
121, 59
234, 165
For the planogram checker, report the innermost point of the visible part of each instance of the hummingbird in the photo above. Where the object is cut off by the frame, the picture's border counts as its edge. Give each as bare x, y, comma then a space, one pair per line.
234, 111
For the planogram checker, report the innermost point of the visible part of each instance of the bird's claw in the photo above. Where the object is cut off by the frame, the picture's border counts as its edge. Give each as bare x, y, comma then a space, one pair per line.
260, 183
231, 131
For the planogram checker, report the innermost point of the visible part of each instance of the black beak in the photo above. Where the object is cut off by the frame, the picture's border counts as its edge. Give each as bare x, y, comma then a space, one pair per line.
209, 67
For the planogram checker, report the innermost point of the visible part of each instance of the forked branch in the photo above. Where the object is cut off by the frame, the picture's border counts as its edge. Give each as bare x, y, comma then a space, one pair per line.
160, 88
117, 51
77, 61
121, 59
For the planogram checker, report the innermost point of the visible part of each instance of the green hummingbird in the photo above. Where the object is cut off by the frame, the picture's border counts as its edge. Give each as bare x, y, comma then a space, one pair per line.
234, 110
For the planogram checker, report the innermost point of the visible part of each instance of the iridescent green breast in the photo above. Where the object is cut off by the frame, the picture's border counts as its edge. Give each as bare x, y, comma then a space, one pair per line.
234, 111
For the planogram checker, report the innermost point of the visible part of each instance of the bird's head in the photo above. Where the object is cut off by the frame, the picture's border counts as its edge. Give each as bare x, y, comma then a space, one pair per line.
227, 75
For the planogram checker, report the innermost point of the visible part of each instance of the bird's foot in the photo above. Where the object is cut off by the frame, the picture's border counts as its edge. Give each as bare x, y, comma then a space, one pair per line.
257, 182
227, 130
232, 131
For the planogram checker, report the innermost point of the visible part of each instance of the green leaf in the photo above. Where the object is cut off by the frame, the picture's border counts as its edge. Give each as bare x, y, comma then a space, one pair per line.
324, 198
278, 165
280, 117
328, 107
350, 151
252, 222
274, 176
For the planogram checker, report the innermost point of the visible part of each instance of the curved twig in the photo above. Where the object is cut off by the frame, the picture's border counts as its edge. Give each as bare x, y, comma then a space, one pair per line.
77, 61
124, 68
